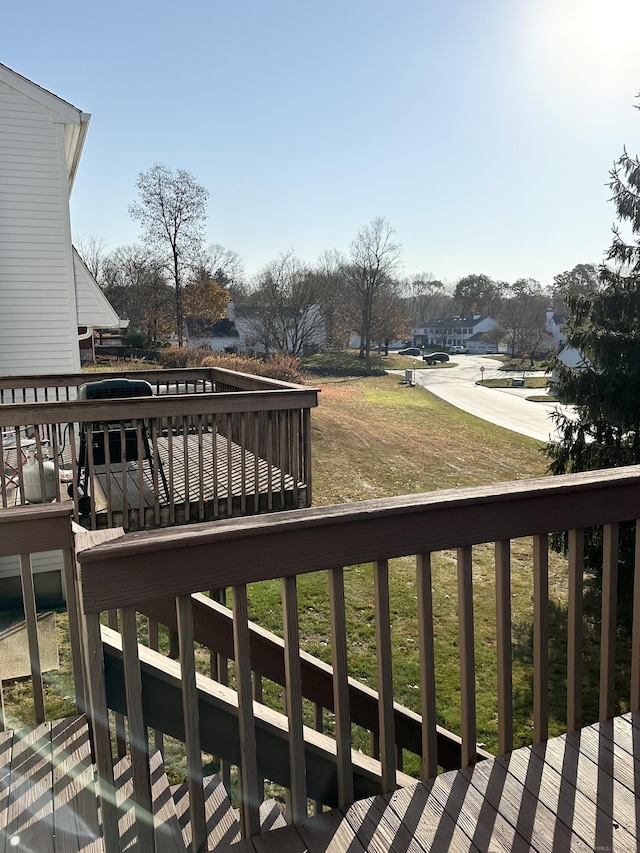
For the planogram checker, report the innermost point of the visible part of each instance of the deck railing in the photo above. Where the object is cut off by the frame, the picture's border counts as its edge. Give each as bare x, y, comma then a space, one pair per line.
178, 562
210, 443
25, 531
55, 387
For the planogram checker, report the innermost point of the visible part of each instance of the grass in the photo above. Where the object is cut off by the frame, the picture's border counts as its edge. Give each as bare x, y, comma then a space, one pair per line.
529, 382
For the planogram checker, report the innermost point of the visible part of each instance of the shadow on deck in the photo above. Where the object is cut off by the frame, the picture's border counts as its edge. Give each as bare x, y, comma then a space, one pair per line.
211, 477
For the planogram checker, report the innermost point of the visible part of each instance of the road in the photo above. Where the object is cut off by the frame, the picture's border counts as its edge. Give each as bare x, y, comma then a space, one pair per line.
505, 407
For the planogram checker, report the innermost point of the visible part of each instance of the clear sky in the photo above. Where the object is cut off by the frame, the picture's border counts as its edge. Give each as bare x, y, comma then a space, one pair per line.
482, 130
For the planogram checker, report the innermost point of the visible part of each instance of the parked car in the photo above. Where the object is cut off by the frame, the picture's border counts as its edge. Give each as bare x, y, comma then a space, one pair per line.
409, 351
458, 349
433, 357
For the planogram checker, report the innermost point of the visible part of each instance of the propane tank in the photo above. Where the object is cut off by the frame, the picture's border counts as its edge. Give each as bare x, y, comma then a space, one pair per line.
32, 484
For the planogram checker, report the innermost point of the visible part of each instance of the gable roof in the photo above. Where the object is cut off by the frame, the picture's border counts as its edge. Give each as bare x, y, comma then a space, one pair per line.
93, 307
74, 120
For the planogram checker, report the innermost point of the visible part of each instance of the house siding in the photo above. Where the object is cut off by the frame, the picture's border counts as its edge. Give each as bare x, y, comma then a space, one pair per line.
38, 319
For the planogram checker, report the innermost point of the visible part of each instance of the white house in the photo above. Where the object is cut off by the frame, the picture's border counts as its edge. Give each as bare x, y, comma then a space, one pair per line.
46, 292
456, 331
242, 330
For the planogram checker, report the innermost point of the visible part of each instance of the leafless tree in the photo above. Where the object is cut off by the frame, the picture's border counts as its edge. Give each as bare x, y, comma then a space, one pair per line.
135, 284
93, 252
172, 210
374, 259
286, 314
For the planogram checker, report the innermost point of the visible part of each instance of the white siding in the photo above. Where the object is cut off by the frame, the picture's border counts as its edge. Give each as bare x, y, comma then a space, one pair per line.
38, 322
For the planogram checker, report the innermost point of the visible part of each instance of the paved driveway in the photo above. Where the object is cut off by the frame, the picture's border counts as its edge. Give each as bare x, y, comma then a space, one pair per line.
505, 407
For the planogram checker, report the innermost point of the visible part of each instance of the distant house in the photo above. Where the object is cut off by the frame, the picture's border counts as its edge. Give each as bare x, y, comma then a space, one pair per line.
46, 292
242, 330
220, 335
555, 326
456, 331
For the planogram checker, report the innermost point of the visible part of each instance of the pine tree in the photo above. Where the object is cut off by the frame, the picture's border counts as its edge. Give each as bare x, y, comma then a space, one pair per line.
604, 327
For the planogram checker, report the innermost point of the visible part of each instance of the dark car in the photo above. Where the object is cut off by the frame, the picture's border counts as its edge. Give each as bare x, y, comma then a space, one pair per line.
433, 357
409, 351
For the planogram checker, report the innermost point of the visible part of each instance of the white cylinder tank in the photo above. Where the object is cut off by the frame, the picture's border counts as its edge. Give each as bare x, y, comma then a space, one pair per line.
32, 484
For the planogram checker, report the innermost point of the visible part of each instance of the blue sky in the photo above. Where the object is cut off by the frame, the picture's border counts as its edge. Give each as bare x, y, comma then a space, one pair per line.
482, 131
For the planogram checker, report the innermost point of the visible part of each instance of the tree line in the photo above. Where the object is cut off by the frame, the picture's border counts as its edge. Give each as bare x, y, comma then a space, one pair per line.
289, 305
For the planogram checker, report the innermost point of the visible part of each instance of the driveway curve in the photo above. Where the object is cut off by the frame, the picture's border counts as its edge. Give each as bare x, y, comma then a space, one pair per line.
505, 407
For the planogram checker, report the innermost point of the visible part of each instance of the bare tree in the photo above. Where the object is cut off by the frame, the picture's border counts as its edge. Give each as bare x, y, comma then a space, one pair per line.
287, 315
223, 265
523, 316
427, 298
374, 259
94, 253
172, 211
392, 321
135, 284
333, 298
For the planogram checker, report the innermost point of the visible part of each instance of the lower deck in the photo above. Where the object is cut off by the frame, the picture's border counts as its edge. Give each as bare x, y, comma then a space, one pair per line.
183, 477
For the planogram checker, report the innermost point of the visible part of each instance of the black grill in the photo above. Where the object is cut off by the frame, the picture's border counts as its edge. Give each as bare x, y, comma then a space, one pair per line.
112, 389
121, 439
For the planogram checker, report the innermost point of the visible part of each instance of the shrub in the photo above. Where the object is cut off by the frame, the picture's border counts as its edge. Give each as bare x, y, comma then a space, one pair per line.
177, 357
278, 365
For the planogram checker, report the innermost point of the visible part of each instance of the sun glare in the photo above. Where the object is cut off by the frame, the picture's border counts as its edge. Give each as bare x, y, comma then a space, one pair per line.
612, 24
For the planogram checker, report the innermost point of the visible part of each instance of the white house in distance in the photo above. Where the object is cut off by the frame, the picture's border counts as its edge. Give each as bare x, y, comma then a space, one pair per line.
456, 331
46, 292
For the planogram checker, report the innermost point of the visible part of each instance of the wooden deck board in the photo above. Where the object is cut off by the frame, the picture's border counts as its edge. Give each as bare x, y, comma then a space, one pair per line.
75, 808
243, 483
30, 805
574, 794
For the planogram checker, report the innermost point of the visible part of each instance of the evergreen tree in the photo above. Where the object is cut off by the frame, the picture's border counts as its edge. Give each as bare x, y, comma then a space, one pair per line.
604, 327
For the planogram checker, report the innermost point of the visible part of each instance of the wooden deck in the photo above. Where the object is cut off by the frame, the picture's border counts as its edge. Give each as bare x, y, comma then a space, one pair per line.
578, 792
49, 804
207, 477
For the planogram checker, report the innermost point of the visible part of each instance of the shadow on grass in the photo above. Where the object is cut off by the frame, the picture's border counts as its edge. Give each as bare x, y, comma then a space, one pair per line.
522, 643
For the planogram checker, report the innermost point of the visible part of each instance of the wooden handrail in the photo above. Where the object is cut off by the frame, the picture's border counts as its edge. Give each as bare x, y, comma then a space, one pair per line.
164, 406
299, 541
163, 376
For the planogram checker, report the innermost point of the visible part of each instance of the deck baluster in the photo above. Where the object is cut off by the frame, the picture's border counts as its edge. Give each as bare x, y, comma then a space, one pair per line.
609, 627
31, 617
429, 762
574, 630
635, 636
293, 698
503, 645
540, 638
137, 732
385, 675
191, 721
251, 796
340, 686
467, 656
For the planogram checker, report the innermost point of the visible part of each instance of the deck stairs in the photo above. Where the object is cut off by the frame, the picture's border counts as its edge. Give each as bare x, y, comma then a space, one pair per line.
48, 799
